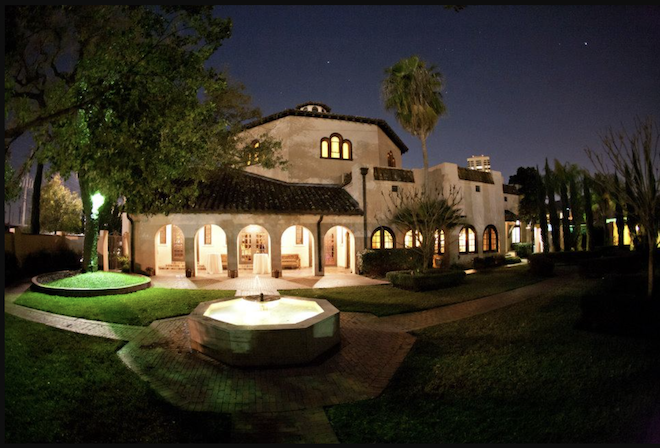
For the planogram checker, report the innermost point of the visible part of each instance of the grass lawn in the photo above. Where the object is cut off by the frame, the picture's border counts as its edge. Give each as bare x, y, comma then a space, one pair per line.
68, 387
136, 308
98, 280
514, 375
384, 300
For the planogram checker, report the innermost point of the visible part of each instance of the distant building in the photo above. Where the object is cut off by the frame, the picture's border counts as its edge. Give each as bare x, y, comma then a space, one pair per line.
479, 163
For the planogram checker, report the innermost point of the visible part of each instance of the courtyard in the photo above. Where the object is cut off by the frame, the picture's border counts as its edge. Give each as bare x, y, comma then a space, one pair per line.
486, 367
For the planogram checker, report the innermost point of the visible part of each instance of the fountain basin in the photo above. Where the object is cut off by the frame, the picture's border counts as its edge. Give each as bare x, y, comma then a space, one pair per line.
289, 331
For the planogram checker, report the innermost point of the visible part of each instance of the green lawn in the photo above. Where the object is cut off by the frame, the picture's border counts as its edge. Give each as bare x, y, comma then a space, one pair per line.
384, 300
67, 387
137, 308
518, 374
98, 280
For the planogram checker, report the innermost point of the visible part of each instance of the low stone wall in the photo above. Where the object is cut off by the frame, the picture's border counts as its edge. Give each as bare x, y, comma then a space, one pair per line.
22, 245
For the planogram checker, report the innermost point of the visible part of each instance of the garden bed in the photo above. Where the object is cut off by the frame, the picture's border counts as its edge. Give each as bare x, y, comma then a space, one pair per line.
76, 284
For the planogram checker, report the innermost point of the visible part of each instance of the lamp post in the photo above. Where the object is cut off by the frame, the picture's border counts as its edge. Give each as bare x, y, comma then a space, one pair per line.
97, 201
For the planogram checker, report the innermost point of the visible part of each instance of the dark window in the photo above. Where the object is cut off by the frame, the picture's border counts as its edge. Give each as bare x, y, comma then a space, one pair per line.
395, 188
391, 161
477, 188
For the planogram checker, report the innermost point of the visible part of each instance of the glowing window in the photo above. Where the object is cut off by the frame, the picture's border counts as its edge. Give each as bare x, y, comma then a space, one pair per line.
490, 239
467, 240
299, 234
515, 234
409, 242
336, 147
382, 238
163, 235
440, 242
391, 161
207, 235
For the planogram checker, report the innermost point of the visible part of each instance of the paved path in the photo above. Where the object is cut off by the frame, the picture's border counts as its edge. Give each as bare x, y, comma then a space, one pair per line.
282, 405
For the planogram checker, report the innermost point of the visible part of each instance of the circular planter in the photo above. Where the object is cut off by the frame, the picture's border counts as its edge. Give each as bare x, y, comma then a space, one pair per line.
38, 286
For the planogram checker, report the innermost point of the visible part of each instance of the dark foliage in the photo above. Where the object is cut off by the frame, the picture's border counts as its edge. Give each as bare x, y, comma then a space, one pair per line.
425, 281
377, 263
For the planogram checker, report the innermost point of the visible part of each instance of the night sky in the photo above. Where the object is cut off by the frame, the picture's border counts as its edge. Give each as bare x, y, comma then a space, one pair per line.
522, 83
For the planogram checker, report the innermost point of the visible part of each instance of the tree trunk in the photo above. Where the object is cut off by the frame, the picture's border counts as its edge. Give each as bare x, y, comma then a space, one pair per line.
543, 219
588, 214
426, 164
565, 225
35, 217
651, 242
90, 257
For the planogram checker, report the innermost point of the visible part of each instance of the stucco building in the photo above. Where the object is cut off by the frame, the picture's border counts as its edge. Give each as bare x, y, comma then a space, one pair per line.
323, 209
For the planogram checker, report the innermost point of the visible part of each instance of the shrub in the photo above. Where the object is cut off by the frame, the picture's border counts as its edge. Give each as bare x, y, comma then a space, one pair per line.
12, 270
377, 263
47, 261
512, 260
124, 263
426, 280
523, 250
488, 262
541, 264
618, 305
628, 263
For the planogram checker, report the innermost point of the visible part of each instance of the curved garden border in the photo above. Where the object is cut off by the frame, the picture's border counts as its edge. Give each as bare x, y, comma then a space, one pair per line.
86, 292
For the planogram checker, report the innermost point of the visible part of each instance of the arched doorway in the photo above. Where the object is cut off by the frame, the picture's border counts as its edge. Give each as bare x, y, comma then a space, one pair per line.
339, 250
170, 251
210, 250
254, 250
298, 251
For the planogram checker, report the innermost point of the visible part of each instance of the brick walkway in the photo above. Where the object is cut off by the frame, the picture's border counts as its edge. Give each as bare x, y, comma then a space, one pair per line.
281, 405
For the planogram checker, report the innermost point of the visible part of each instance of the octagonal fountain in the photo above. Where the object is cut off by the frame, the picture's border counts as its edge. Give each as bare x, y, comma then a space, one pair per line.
264, 330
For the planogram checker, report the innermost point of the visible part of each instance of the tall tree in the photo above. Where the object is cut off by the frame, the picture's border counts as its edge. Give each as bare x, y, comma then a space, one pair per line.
413, 92
549, 180
562, 180
588, 210
526, 178
61, 207
618, 212
542, 211
122, 97
635, 156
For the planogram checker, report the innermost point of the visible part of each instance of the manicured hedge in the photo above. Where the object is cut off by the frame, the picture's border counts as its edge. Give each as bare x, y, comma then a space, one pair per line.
541, 264
425, 281
628, 263
523, 250
488, 262
377, 263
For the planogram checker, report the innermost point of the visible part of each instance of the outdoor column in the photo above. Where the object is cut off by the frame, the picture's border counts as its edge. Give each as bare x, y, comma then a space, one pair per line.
190, 254
232, 252
276, 251
319, 250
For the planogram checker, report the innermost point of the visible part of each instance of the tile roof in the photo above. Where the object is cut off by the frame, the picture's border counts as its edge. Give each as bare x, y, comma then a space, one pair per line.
382, 124
510, 216
475, 175
236, 191
510, 189
393, 174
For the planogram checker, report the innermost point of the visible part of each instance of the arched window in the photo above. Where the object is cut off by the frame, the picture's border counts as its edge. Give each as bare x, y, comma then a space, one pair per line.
253, 153
409, 242
382, 238
391, 161
467, 240
490, 239
440, 242
335, 147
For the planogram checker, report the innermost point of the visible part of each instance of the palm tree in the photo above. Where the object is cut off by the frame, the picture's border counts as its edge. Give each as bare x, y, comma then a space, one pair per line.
412, 91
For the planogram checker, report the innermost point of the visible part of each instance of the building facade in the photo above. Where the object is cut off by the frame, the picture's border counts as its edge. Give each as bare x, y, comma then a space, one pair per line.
330, 203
